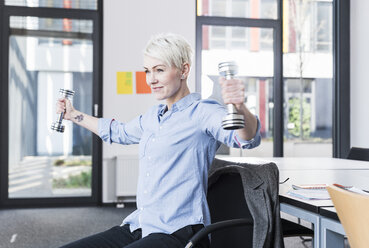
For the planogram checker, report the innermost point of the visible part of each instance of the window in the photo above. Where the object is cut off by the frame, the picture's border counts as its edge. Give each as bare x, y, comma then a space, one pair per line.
324, 26
308, 79
67, 4
298, 106
44, 50
238, 8
252, 48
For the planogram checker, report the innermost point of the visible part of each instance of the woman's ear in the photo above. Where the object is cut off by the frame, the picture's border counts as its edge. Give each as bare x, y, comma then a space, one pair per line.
185, 70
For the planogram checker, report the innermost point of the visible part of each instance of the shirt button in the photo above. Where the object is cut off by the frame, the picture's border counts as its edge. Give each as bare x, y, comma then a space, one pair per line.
145, 192
141, 208
160, 127
149, 158
153, 140
147, 174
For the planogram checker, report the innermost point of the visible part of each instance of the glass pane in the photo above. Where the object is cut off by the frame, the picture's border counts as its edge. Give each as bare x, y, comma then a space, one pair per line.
44, 163
255, 63
51, 24
308, 78
266, 9
324, 26
67, 4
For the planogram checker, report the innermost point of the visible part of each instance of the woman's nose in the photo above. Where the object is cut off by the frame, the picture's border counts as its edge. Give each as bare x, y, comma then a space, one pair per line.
151, 78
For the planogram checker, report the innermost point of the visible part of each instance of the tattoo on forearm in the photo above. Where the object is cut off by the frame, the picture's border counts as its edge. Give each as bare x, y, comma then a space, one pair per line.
79, 118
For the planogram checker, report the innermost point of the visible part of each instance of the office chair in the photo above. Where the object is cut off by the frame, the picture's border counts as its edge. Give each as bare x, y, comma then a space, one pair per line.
232, 222
352, 210
357, 153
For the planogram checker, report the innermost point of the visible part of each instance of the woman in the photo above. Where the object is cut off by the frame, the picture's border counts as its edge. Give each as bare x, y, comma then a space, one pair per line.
177, 143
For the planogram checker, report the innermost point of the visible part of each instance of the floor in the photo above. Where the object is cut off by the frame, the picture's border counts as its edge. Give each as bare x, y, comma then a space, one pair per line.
53, 227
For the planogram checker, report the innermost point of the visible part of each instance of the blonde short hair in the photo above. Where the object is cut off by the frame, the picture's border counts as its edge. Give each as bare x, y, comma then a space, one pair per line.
172, 49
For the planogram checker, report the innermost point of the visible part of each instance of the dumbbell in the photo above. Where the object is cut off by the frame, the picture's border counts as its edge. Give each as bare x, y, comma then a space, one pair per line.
232, 120
58, 126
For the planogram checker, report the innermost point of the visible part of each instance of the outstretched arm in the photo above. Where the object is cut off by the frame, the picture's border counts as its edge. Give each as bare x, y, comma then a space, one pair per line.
82, 119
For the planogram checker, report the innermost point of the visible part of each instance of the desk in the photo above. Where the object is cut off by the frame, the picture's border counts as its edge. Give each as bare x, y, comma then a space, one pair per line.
328, 232
304, 163
332, 233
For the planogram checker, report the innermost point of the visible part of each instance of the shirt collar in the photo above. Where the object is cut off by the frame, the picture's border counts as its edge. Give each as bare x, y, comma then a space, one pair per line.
162, 109
181, 104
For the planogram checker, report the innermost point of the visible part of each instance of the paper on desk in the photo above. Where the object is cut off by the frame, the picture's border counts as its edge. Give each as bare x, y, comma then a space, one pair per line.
357, 190
310, 194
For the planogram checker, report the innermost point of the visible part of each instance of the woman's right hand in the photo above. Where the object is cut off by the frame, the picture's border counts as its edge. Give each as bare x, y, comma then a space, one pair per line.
64, 105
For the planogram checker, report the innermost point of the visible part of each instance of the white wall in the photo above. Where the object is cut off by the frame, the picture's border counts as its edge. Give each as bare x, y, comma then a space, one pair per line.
359, 73
128, 25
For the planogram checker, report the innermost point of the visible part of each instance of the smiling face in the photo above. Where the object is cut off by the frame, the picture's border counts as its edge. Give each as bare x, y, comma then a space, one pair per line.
166, 82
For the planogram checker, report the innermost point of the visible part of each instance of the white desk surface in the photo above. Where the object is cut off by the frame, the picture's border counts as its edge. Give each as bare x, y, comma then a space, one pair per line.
313, 170
304, 163
357, 178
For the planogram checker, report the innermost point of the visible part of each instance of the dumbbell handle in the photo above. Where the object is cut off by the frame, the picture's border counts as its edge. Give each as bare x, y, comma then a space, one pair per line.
61, 116
231, 109
228, 76
58, 126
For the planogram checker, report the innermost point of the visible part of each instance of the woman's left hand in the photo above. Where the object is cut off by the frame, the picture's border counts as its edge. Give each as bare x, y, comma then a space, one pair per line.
233, 92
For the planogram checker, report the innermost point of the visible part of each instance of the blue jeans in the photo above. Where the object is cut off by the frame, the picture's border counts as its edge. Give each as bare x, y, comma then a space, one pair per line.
121, 236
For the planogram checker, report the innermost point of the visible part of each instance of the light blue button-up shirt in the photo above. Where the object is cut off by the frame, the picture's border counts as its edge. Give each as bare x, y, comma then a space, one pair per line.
176, 148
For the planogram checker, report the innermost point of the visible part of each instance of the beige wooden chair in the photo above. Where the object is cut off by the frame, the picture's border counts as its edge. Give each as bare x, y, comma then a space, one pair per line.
352, 210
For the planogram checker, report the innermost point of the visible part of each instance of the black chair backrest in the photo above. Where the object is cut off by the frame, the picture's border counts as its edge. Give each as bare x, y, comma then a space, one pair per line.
227, 201
357, 153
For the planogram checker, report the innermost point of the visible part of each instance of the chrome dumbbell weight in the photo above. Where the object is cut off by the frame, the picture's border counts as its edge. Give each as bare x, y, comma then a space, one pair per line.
232, 120
58, 126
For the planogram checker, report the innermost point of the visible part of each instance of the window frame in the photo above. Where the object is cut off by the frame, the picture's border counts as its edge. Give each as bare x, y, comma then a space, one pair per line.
5, 31
341, 77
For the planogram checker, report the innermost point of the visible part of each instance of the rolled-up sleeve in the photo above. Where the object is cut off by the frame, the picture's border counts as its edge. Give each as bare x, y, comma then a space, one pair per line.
113, 131
104, 129
252, 143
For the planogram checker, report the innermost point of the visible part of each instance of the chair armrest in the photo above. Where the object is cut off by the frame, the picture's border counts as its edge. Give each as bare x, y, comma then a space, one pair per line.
215, 227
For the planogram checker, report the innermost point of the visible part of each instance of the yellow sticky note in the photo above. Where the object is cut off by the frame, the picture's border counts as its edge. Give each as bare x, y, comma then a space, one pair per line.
124, 82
